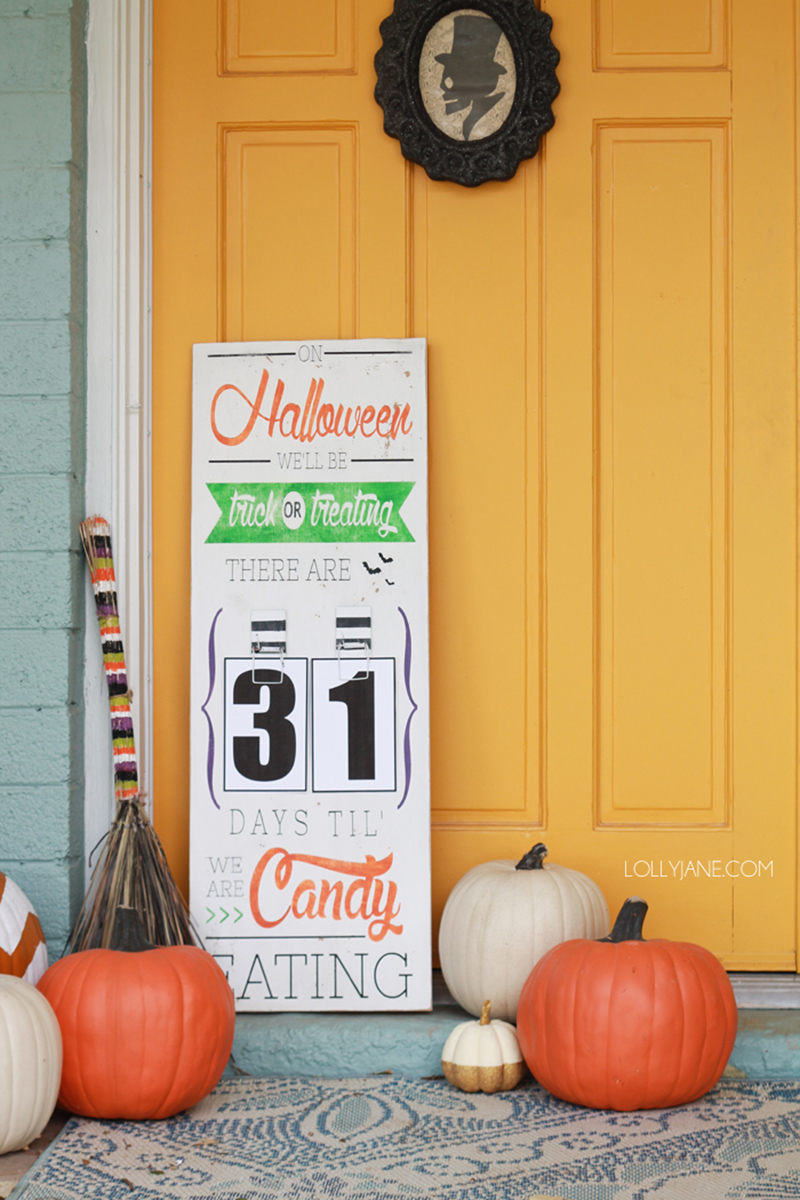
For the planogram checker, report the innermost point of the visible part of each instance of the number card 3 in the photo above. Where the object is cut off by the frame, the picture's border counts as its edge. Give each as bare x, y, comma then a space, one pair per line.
265, 725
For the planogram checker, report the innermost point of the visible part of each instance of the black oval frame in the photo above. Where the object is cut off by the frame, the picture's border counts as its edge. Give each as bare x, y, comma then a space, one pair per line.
404, 114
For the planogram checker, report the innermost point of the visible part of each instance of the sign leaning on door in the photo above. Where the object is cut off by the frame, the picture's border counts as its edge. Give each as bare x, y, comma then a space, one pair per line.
310, 780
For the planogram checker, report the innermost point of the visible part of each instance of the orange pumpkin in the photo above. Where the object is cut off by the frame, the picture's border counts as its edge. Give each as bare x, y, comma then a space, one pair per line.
147, 1031
624, 1023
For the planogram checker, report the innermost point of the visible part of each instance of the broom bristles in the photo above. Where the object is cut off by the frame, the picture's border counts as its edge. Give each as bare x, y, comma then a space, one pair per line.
132, 869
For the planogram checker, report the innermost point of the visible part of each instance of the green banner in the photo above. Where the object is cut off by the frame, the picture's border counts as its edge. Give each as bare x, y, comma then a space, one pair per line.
310, 512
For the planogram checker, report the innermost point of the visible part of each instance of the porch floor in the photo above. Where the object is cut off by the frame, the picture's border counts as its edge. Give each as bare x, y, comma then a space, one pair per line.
333, 1045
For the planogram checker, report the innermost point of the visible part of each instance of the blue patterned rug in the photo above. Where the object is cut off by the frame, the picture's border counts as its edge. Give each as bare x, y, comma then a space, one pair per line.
402, 1139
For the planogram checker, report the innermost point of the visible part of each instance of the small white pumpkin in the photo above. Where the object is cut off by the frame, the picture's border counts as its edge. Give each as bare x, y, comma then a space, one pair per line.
30, 1063
483, 1056
22, 946
502, 917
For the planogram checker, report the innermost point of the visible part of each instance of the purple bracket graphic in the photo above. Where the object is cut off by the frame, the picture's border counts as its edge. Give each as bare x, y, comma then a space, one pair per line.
212, 675
414, 706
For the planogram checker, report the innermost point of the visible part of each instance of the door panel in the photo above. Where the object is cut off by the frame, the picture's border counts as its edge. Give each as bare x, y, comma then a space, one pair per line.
316, 197
612, 422
685, 35
315, 37
662, 485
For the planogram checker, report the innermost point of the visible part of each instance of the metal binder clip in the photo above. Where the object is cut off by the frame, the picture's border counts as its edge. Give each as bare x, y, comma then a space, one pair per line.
267, 641
353, 637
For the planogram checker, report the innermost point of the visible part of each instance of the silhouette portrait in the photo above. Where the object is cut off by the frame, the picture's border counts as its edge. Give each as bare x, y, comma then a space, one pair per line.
467, 92
467, 74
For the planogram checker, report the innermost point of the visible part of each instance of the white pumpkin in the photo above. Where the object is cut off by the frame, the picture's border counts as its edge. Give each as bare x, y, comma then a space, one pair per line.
30, 1063
502, 917
22, 946
483, 1056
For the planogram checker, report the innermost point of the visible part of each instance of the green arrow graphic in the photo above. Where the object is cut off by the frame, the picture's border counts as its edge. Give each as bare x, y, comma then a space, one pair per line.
227, 914
241, 914
210, 912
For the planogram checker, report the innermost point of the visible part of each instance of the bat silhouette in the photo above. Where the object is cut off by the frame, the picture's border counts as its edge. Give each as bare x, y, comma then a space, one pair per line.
390, 582
372, 570
384, 560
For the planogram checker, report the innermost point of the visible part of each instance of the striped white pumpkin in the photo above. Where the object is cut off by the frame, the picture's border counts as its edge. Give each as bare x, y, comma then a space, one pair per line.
499, 921
22, 946
30, 1063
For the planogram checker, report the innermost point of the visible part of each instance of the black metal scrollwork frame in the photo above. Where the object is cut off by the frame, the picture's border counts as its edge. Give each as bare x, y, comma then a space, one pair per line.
398, 90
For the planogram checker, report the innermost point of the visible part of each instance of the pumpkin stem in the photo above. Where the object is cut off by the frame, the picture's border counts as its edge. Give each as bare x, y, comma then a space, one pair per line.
534, 859
628, 925
487, 1008
128, 934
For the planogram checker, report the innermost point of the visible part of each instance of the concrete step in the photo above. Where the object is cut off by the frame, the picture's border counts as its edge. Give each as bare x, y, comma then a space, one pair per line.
767, 1045
336, 1045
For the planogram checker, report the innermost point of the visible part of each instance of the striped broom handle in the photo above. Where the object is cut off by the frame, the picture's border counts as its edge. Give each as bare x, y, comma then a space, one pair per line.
96, 539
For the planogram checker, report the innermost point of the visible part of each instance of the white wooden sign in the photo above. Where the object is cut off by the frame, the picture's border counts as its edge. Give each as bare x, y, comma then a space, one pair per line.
310, 843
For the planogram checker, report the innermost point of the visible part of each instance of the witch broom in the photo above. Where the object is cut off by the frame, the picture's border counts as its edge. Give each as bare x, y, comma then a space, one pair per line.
132, 870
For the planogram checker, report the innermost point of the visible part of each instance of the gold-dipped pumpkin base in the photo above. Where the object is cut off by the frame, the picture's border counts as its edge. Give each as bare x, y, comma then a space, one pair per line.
484, 1079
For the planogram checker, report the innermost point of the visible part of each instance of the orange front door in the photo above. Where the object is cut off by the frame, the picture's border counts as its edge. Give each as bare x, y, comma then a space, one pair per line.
612, 395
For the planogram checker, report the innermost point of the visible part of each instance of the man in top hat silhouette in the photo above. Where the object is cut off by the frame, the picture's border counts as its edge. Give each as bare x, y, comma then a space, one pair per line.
470, 74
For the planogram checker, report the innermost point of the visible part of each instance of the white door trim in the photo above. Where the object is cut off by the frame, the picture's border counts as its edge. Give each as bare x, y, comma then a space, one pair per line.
118, 417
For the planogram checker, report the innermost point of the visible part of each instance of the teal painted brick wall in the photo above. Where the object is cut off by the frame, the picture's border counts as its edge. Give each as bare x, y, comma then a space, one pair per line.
42, 452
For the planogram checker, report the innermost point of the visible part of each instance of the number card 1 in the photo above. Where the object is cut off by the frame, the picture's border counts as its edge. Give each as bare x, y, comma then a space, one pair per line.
310, 776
